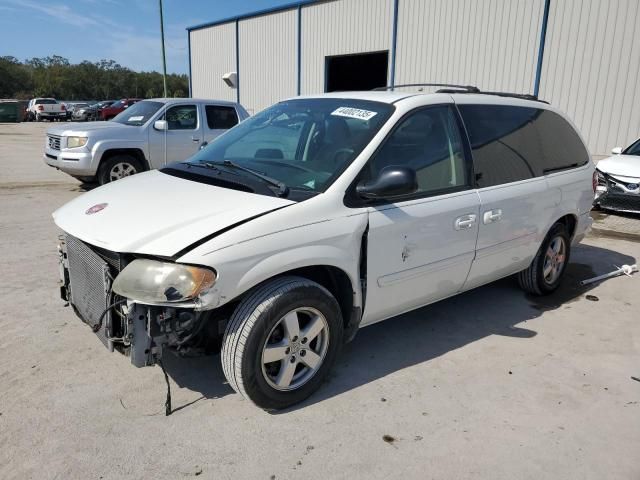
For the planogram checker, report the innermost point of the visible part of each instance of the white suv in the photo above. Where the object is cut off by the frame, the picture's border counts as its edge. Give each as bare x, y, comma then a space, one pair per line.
321, 215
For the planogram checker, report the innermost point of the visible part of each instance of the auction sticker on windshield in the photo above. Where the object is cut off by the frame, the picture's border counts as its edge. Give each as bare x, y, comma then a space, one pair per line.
354, 113
137, 118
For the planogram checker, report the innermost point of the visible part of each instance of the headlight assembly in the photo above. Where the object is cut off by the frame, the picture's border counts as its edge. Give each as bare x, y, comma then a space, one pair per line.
73, 142
155, 282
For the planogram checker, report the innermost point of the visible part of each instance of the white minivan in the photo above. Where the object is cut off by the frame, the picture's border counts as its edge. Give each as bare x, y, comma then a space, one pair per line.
321, 215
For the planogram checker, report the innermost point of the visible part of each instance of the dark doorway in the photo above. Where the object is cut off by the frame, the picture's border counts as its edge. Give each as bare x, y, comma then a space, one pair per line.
362, 71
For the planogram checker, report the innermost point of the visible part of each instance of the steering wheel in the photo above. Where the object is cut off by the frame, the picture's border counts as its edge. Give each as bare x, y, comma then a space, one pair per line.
342, 151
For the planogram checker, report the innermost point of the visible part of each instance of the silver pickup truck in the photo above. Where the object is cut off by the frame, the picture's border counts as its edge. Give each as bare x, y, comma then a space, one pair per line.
145, 136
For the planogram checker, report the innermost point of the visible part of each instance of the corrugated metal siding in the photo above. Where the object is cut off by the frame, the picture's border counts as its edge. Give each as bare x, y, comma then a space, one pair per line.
492, 44
341, 27
213, 53
591, 68
268, 59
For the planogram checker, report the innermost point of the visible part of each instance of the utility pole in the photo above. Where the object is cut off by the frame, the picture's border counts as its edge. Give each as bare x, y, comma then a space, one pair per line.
164, 59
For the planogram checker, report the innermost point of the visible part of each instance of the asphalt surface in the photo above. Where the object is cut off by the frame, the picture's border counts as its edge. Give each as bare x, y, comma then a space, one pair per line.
491, 384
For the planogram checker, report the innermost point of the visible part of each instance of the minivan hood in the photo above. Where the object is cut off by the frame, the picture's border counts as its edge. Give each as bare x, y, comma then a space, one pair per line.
621, 166
157, 214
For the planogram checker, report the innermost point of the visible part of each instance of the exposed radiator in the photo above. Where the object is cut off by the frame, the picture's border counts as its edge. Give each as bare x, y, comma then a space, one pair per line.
90, 282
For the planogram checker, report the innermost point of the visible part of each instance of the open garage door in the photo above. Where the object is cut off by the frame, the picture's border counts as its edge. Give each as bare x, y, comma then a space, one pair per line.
361, 71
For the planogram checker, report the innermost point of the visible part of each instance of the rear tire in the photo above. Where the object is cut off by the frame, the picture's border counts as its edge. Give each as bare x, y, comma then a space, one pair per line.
117, 167
281, 342
545, 273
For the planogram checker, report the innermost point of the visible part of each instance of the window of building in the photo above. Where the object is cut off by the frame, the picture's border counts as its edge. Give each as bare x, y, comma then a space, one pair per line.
362, 71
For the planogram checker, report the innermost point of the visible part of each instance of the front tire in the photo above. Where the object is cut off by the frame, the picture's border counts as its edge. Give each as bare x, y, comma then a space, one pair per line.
117, 167
281, 342
545, 273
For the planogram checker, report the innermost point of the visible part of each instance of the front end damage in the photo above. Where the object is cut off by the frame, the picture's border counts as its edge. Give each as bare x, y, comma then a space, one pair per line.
620, 194
141, 332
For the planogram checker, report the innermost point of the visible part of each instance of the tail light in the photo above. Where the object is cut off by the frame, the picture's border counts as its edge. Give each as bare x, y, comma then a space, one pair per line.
594, 181
63, 107
40, 108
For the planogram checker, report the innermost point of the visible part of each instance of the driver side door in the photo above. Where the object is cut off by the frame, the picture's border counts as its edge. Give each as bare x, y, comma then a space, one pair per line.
181, 139
420, 247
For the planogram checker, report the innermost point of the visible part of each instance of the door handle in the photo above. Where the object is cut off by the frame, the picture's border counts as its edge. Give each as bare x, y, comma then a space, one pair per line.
195, 139
492, 216
464, 222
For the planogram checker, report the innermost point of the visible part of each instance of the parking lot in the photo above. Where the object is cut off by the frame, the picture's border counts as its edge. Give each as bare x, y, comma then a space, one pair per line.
489, 384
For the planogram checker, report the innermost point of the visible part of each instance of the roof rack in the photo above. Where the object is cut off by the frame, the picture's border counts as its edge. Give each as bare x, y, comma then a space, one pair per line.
466, 88
451, 88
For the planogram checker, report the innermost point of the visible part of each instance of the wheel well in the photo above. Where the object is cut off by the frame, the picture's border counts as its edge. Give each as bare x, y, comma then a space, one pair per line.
333, 279
569, 222
134, 152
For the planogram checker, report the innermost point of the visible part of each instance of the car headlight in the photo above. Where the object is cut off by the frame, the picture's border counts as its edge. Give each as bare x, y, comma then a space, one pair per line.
73, 142
155, 282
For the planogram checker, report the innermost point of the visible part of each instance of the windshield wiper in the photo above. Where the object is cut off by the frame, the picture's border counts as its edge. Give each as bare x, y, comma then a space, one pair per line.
283, 189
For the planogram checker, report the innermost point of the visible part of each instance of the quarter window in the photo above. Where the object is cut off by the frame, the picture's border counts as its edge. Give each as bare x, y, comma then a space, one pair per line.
221, 118
429, 142
182, 117
510, 143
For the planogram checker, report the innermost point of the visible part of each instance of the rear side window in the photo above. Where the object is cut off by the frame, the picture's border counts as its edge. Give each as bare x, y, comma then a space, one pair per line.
221, 118
516, 143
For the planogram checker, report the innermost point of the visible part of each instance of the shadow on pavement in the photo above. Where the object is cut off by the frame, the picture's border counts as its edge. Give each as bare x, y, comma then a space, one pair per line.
426, 333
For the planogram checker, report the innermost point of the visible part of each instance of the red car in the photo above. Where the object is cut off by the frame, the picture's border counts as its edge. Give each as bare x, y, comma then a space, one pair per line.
116, 107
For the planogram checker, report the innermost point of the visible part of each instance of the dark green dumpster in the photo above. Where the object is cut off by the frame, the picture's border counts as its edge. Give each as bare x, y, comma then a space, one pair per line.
10, 111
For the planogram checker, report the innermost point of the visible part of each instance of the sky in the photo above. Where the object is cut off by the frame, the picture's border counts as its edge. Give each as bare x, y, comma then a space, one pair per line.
127, 31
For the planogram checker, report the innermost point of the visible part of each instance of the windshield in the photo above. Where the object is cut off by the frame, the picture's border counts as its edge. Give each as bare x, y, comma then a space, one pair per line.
633, 149
305, 144
138, 113
46, 101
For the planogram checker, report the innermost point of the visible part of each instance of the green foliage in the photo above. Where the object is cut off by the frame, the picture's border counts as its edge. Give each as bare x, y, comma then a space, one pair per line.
103, 80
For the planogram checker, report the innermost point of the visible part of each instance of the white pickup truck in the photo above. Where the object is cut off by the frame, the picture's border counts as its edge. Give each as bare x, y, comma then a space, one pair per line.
46, 108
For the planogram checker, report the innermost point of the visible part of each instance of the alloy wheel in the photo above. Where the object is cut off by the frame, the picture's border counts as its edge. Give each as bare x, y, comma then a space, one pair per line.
295, 349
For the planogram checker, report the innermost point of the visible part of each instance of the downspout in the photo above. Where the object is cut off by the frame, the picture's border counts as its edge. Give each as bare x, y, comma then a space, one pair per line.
238, 61
543, 37
394, 42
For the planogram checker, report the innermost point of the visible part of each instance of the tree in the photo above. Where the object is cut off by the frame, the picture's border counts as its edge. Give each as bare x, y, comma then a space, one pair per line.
55, 76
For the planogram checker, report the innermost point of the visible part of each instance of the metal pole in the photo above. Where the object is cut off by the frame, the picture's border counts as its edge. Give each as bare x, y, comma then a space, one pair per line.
164, 59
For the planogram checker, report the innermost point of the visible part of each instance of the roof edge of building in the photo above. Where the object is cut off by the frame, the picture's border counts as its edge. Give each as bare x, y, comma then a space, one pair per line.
258, 13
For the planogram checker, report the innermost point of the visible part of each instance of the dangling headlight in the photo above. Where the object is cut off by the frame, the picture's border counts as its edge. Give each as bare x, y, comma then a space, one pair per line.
154, 282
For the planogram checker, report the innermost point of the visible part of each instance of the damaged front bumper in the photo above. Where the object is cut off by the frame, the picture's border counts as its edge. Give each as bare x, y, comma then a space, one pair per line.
141, 332
615, 194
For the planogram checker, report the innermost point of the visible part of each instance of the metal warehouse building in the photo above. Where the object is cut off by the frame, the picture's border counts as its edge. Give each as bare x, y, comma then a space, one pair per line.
582, 56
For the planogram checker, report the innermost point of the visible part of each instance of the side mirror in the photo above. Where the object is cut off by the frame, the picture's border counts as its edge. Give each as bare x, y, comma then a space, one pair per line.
160, 125
616, 151
393, 181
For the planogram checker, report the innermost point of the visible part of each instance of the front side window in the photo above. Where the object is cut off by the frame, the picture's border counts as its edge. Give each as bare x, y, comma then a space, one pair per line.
429, 142
304, 143
181, 117
220, 117
633, 149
